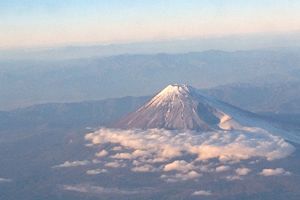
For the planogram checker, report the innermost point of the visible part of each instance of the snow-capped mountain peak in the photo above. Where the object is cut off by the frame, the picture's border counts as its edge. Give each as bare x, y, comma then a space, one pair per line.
170, 94
178, 107
175, 89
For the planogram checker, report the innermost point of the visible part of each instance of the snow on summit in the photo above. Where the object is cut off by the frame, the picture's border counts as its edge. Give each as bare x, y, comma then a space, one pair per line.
171, 93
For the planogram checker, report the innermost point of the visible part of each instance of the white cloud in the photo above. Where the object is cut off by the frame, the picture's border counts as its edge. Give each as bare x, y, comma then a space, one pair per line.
5, 180
144, 168
96, 161
117, 148
182, 155
233, 177
96, 171
223, 168
239, 173
242, 171
123, 156
86, 188
178, 165
274, 172
115, 164
224, 145
102, 153
181, 176
75, 163
202, 193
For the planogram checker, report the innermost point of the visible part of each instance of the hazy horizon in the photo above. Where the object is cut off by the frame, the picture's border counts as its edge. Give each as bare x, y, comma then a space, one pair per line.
229, 44
31, 24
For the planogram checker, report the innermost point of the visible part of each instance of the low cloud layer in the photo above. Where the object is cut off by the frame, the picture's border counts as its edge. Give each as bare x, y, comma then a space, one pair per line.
274, 172
96, 171
75, 163
238, 174
185, 155
242, 171
5, 180
202, 193
223, 168
92, 189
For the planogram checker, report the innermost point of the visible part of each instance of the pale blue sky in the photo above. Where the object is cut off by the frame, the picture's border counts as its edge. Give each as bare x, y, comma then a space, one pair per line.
59, 22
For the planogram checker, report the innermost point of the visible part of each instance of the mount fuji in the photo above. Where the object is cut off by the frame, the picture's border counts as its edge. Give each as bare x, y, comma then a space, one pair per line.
182, 107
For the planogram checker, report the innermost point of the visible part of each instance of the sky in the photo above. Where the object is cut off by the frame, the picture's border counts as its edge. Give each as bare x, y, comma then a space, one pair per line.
31, 23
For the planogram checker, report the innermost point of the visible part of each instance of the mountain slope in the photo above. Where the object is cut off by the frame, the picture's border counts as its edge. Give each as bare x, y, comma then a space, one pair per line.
75, 115
183, 107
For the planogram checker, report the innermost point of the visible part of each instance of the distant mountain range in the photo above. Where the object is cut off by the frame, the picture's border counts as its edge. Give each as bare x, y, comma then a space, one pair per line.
283, 97
28, 82
227, 43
